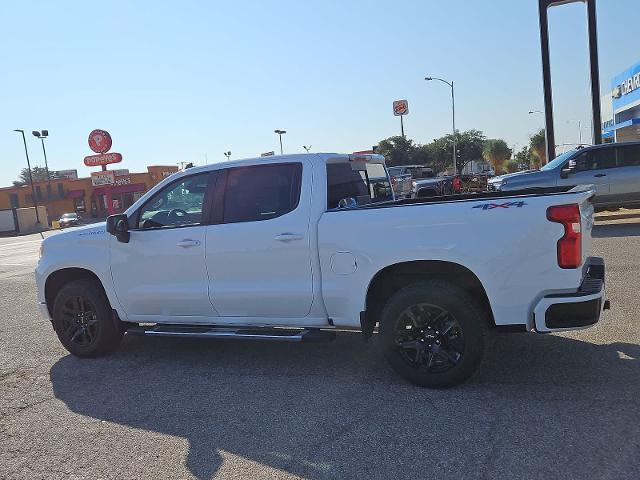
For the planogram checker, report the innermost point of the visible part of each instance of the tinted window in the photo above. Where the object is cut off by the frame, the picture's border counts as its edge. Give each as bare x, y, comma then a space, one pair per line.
15, 203
343, 182
594, 160
261, 192
178, 204
629, 156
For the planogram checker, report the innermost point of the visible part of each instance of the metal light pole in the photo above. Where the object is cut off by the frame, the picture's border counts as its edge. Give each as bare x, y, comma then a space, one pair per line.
307, 148
33, 189
579, 122
453, 117
227, 154
42, 135
280, 133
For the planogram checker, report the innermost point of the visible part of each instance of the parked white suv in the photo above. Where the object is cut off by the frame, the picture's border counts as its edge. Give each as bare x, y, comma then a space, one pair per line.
298, 247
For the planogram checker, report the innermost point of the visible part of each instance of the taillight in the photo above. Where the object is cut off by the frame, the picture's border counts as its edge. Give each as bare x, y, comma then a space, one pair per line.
570, 245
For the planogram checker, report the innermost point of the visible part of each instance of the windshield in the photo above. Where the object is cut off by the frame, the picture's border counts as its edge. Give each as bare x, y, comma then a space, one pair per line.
558, 160
70, 215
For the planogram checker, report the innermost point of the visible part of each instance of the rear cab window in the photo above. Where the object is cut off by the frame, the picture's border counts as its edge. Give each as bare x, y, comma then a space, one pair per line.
349, 187
261, 192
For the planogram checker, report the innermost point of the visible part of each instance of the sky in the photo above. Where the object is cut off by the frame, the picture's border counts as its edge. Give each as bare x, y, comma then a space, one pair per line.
189, 80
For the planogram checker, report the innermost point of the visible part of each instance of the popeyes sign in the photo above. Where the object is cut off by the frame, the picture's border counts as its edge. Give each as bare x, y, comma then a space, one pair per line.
100, 142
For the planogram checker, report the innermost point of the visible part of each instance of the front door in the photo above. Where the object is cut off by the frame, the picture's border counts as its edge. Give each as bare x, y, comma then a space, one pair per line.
259, 253
161, 274
592, 167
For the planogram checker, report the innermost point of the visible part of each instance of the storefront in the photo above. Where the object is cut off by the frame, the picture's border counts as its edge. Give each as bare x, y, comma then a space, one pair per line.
80, 195
624, 124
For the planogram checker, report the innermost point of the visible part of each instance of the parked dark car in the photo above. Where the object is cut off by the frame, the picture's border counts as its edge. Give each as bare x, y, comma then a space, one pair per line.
69, 220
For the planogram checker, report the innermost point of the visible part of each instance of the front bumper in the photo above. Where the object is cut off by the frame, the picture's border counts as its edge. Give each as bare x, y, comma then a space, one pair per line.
571, 311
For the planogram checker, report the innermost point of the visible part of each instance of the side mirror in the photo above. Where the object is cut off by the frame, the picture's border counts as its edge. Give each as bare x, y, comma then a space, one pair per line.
564, 173
118, 225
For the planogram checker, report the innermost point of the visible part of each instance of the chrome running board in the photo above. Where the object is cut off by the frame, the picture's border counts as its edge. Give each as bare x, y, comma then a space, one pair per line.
251, 333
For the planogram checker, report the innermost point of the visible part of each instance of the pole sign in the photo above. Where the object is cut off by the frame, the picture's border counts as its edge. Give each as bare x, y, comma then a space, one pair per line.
102, 178
102, 159
99, 141
400, 107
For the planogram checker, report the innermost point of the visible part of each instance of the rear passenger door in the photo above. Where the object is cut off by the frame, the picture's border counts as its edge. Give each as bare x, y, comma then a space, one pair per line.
258, 252
625, 180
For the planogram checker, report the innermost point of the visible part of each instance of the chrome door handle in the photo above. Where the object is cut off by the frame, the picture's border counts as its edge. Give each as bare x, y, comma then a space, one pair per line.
288, 237
600, 175
187, 242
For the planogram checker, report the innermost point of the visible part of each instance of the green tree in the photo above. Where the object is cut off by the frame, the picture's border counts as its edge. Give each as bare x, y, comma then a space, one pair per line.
538, 145
524, 158
469, 146
396, 150
496, 152
39, 174
511, 165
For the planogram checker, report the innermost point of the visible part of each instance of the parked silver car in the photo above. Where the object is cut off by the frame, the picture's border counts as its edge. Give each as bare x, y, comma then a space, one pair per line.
614, 169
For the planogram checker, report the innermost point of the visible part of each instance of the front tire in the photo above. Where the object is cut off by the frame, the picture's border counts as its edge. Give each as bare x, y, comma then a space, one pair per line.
433, 334
83, 320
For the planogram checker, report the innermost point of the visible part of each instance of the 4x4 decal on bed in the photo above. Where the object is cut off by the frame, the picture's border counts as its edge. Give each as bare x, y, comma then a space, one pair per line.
491, 206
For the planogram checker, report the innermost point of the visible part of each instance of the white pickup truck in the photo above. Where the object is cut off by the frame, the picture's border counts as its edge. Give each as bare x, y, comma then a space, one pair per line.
300, 247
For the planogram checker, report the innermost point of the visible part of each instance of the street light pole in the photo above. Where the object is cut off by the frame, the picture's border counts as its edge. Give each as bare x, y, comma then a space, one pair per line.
33, 189
42, 135
453, 118
307, 148
228, 155
280, 133
579, 122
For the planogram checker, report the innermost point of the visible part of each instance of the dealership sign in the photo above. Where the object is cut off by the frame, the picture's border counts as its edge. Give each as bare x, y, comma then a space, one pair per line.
102, 178
627, 86
400, 107
102, 159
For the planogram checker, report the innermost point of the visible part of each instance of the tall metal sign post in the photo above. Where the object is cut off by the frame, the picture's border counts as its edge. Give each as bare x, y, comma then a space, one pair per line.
400, 109
100, 142
543, 6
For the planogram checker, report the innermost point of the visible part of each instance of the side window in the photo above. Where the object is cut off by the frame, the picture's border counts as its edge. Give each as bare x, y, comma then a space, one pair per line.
629, 156
344, 182
594, 160
261, 192
178, 204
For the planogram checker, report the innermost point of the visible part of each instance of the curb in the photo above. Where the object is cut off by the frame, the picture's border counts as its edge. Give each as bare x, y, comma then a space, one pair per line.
617, 216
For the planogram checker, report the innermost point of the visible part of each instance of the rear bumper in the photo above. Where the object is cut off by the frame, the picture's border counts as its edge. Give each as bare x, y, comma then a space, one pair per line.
571, 311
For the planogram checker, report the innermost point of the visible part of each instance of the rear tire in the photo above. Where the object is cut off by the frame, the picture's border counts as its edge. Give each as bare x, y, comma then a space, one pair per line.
433, 334
84, 321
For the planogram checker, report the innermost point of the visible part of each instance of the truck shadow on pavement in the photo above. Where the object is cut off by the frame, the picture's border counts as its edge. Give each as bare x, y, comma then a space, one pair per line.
337, 411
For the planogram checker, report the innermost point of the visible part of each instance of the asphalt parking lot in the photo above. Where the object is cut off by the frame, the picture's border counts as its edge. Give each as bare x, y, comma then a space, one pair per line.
555, 406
